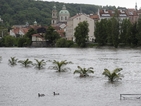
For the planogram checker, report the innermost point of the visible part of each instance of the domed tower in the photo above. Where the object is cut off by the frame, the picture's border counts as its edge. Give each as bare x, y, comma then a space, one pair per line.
64, 15
54, 16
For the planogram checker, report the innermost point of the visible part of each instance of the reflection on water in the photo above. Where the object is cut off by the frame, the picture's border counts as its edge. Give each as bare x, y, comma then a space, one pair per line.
19, 86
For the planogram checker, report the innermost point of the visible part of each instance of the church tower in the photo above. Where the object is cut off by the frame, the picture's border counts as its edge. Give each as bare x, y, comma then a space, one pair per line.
54, 16
64, 15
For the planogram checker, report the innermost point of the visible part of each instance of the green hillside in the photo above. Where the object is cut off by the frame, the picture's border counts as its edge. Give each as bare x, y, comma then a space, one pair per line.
21, 11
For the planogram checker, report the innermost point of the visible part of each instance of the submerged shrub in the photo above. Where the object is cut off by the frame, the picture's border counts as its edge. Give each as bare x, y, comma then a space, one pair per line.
83, 71
13, 61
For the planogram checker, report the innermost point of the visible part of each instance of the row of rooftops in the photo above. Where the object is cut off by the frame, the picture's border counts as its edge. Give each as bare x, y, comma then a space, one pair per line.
121, 12
110, 13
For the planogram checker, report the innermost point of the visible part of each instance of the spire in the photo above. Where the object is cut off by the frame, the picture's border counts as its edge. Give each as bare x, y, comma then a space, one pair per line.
35, 23
64, 7
136, 8
54, 7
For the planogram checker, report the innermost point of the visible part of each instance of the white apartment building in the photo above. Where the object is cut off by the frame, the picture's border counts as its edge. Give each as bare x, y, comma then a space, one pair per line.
73, 22
108, 14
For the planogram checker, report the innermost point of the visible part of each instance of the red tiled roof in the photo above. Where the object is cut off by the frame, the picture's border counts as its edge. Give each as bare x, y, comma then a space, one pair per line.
16, 30
77, 15
131, 12
106, 13
94, 16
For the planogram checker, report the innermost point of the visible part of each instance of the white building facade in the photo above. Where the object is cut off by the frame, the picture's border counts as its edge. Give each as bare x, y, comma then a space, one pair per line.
73, 22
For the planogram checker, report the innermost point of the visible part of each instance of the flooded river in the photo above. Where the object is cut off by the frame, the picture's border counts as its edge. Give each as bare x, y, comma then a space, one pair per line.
19, 86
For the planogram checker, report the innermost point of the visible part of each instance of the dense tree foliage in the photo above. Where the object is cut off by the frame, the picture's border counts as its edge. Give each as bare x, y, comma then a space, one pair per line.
101, 32
22, 11
81, 33
118, 33
62, 42
115, 32
51, 36
139, 32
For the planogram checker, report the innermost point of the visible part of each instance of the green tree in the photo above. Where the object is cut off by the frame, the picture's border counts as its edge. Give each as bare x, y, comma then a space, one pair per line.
51, 35
25, 63
134, 33
13, 61
101, 32
39, 64
139, 31
62, 42
30, 33
125, 31
109, 31
60, 65
113, 76
83, 71
115, 32
9, 41
23, 41
128, 33
2, 42
81, 33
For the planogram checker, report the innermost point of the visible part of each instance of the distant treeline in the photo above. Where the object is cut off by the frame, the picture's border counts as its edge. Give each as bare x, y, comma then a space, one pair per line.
21, 11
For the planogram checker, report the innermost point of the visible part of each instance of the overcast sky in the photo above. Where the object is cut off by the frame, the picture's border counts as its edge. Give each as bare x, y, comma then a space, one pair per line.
121, 3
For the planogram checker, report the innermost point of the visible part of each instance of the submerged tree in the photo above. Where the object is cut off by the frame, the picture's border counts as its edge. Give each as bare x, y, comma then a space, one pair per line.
39, 64
60, 65
113, 76
13, 61
26, 62
83, 71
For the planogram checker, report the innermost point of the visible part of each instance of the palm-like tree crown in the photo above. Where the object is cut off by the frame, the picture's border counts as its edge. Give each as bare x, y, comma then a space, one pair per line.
40, 64
113, 76
26, 62
13, 61
59, 65
83, 71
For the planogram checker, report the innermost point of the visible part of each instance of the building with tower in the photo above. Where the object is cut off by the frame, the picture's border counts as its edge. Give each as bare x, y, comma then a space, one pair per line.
61, 17
54, 16
59, 20
64, 15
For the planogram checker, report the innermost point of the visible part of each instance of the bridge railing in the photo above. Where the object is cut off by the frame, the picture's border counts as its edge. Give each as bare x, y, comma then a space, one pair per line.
125, 96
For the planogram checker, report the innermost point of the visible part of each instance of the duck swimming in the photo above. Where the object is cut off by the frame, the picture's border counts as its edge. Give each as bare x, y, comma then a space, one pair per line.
41, 95
55, 93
